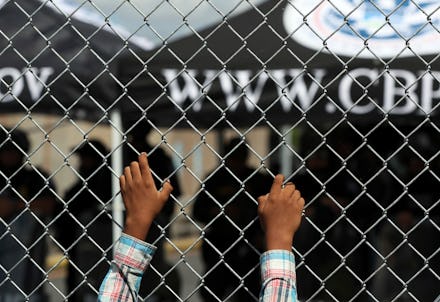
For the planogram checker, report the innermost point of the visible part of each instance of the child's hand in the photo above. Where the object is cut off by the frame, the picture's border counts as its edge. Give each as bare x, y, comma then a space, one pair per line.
280, 214
141, 198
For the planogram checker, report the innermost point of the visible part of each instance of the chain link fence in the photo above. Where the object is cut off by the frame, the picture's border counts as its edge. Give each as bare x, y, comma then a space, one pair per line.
340, 96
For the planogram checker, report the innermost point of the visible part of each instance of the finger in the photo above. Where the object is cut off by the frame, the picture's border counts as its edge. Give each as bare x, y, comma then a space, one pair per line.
167, 188
290, 184
261, 200
127, 174
122, 183
145, 168
301, 203
296, 195
289, 189
277, 184
135, 171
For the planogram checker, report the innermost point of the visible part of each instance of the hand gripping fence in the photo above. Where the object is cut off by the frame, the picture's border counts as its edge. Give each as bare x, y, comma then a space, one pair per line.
341, 96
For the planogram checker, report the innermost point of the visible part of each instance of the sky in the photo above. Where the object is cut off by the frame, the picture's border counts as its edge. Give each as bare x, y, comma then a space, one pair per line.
163, 19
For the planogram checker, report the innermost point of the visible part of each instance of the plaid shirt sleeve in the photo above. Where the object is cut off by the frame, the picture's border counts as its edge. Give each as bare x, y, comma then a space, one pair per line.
121, 284
278, 276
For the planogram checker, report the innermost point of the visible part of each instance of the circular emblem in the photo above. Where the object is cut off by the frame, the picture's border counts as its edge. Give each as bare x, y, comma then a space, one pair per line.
365, 28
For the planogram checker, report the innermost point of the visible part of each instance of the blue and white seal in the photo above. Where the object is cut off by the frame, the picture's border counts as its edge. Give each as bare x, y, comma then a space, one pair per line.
366, 28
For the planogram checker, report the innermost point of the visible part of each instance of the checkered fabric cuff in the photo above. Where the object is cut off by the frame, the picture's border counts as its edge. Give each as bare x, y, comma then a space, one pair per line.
278, 264
133, 252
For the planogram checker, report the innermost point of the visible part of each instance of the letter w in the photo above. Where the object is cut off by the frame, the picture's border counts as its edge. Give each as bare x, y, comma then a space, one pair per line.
191, 89
298, 88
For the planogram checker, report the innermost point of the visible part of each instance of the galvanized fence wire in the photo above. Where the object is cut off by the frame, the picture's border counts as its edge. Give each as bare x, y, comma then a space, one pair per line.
371, 224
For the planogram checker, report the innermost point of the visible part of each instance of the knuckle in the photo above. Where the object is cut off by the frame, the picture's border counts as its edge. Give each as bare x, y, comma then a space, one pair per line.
137, 181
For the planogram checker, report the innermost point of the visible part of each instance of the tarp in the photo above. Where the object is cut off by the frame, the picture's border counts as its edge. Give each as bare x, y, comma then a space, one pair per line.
290, 61
51, 62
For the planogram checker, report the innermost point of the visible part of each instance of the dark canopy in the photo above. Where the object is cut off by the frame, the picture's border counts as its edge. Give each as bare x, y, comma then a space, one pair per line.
248, 70
54, 64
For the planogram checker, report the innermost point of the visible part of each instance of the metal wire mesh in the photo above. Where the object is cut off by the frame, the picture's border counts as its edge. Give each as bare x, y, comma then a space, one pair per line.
339, 95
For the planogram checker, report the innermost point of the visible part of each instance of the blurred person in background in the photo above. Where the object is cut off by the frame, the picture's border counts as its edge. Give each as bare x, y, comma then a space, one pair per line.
162, 166
331, 191
319, 212
413, 234
26, 205
84, 227
233, 236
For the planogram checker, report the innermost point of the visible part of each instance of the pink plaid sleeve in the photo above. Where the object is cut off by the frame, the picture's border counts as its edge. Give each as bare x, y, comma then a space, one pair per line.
278, 276
122, 281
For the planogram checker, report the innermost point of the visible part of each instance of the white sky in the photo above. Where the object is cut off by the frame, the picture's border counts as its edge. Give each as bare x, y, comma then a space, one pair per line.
164, 17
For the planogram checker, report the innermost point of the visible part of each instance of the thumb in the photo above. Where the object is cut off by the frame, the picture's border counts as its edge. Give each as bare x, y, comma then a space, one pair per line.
167, 188
261, 201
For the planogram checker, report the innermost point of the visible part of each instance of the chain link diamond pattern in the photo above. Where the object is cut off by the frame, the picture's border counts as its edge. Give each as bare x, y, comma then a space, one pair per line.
360, 131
